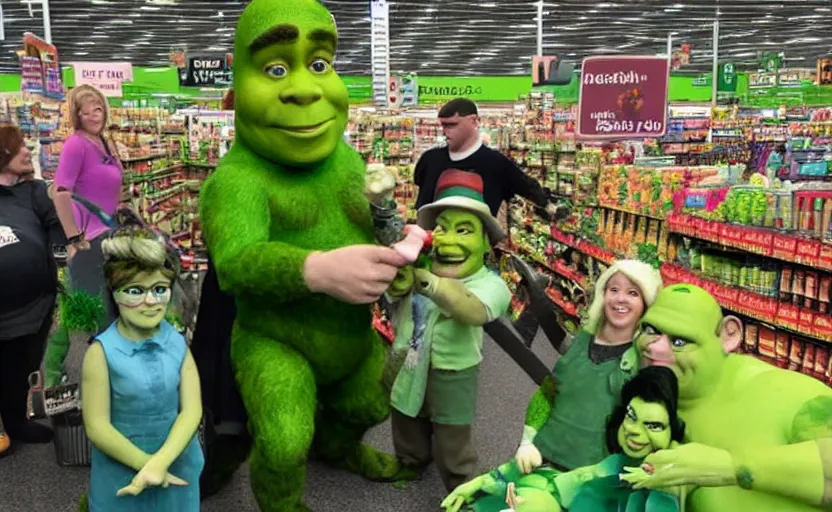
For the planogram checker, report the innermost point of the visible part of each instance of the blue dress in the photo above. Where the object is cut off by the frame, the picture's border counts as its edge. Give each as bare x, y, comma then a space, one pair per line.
144, 403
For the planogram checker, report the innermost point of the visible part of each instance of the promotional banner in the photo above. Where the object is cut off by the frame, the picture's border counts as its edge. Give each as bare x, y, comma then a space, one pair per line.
50, 69
623, 97
106, 76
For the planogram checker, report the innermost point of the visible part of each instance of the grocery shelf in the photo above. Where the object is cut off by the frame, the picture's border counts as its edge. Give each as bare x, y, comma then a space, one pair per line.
768, 242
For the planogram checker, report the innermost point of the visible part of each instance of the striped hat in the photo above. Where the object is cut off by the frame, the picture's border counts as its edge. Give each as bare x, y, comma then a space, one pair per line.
461, 190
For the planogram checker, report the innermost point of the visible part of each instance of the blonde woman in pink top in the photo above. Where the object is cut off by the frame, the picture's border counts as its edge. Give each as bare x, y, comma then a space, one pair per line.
89, 167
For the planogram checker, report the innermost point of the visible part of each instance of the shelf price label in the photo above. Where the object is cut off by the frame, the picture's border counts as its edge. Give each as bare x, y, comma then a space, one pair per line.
623, 97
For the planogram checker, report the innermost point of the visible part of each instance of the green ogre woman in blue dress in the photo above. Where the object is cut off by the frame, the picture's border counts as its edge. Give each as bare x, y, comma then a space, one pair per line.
140, 387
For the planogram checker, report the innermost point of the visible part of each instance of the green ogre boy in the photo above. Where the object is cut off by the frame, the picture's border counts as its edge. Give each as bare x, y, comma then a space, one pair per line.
760, 438
439, 331
289, 230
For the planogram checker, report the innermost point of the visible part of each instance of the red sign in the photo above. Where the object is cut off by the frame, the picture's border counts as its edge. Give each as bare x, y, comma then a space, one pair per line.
623, 97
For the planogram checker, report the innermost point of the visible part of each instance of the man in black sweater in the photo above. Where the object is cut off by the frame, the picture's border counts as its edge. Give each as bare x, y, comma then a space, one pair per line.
502, 179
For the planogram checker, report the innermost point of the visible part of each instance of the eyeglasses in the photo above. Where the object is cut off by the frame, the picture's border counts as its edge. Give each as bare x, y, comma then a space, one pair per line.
136, 295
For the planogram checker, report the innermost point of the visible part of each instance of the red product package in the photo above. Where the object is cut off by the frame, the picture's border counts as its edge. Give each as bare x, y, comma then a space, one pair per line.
788, 316
822, 328
766, 307
821, 361
766, 343
757, 241
808, 367
796, 353
807, 252
781, 349
825, 257
730, 236
806, 321
784, 247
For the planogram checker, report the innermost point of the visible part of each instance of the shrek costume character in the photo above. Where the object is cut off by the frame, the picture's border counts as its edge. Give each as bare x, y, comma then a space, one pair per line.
760, 437
435, 393
643, 422
565, 420
290, 234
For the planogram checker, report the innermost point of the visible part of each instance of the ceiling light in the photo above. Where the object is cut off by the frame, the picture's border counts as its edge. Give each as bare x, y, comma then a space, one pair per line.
149, 8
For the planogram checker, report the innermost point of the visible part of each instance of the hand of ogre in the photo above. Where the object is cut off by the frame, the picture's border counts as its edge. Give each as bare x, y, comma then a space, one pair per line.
358, 274
425, 283
688, 464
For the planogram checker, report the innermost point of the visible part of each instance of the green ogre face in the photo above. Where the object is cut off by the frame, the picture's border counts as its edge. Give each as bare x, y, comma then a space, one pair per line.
291, 107
143, 302
681, 331
459, 244
645, 429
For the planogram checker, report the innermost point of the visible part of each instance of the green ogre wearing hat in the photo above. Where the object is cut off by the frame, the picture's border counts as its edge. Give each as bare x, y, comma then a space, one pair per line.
439, 317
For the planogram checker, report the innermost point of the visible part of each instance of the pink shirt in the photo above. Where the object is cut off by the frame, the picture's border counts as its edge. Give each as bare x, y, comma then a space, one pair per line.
89, 172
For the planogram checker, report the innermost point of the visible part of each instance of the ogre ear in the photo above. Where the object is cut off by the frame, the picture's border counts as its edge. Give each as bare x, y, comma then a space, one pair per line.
730, 332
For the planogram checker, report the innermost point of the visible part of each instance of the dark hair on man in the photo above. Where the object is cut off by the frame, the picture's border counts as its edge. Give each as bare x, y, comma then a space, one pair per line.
462, 106
655, 385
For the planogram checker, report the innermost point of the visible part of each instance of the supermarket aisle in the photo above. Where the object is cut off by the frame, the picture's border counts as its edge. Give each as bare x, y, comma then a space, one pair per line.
31, 481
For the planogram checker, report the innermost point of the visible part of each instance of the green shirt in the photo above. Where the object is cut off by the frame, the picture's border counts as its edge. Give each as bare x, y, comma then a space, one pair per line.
574, 434
455, 346
450, 344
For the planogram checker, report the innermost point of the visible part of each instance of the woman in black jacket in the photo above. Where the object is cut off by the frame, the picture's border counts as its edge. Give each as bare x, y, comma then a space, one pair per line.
29, 228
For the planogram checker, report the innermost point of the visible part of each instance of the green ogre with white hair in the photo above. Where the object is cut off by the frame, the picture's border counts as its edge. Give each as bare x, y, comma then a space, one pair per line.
308, 366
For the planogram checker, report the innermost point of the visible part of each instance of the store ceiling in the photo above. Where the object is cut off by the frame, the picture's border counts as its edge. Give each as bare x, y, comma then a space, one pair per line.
441, 37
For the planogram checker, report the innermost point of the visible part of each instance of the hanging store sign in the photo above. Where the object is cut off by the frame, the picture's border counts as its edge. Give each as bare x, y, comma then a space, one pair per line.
762, 80
46, 55
623, 97
727, 78
789, 78
105, 76
206, 71
380, 53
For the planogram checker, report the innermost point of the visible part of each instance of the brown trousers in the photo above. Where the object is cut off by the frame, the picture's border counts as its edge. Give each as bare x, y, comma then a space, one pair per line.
418, 441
